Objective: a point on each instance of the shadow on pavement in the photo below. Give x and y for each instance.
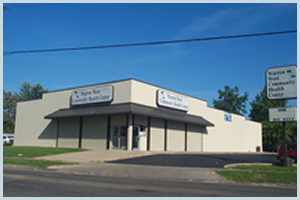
(198, 160)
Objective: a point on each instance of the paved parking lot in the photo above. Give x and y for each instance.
(208, 160)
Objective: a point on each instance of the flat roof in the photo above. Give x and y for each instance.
(130, 108)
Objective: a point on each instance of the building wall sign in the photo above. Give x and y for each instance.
(92, 95)
(283, 114)
(281, 82)
(171, 100)
(227, 117)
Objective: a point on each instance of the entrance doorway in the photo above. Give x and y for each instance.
(135, 142)
(138, 132)
(119, 139)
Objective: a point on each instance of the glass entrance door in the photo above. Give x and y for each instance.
(139, 133)
(119, 139)
(136, 138)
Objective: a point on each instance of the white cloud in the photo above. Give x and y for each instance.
(213, 22)
(236, 19)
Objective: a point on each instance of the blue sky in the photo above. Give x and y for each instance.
(198, 69)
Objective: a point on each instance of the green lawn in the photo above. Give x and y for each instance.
(260, 174)
(32, 152)
(16, 155)
(33, 163)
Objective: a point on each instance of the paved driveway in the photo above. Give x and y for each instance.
(199, 160)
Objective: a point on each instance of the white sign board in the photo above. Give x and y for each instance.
(283, 114)
(92, 95)
(281, 82)
(171, 100)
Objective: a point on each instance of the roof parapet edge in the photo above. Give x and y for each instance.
(123, 80)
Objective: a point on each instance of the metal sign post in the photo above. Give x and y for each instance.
(285, 161)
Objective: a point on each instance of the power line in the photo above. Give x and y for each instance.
(149, 43)
(33, 5)
(30, 5)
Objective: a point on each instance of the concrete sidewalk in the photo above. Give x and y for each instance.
(138, 171)
(95, 156)
(93, 163)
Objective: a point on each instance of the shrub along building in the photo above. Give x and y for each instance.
(132, 115)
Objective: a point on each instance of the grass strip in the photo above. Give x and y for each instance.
(33, 163)
(260, 174)
(265, 168)
(259, 177)
(31, 152)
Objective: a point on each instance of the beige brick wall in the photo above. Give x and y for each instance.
(157, 135)
(175, 136)
(94, 132)
(240, 135)
(194, 138)
(69, 133)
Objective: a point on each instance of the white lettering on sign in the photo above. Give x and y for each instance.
(288, 114)
(171, 100)
(92, 95)
(281, 82)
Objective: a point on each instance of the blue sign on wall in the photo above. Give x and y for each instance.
(227, 117)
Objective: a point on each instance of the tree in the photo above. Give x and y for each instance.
(9, 111)
(260, 106)
(230, 101)
(27, 92)
(31, 92)
(272, 132)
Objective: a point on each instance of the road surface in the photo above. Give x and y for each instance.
(45, 183)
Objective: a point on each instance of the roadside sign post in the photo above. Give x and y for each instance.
(282, 85)
(285, 161)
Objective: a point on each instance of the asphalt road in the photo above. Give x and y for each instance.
(43, 183)
(199, 160)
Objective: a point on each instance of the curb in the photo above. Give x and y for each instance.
(236, 164)
(266, 164)
(18, 166)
